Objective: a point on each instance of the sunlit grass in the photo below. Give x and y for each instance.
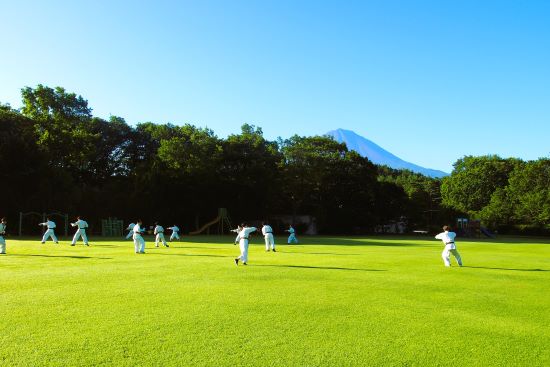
(338, 301)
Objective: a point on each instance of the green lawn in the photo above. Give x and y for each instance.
(327, 302)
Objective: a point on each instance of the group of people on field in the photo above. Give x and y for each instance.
(49, 233)
(136, 231)
(244, 231)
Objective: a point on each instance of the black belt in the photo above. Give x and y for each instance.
(268, 232)
(448, 243)
(160, 232)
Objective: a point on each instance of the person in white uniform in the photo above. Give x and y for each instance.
(130, 230)
(291, 235)
(159, 235)
(80, 231)
(448, 239)
(243, 243)
(267, 231)
(139, 242)
(49, 231)
(175, 232)
(3, 224)
(237, 231)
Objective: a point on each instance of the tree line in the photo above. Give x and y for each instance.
(506, 194)
(56, 156)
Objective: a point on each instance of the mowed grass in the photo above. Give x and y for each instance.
(377, 301)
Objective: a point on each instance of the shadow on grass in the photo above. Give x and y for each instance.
(195, 248)
(396, 242)
(317, 253)
(190, 255)
(511, 269)
(315, 267)
(65, 256)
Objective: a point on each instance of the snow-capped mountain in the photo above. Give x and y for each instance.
(377, 154)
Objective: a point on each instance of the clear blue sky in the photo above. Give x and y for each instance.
(430, 81)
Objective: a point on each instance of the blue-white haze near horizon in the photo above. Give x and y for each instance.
(429, 80)
(377, 154)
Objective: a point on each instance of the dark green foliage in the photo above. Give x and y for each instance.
(56, 156)
(500, 192)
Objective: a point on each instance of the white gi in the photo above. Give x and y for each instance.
(237, 231)
(80, 232)
(243, 243)
(139, 242)
(2, 240)
(49, 232)
(292, 236)
(175, 234)
(448, 239)
(267, 231)
(130, 230)
(159, 232)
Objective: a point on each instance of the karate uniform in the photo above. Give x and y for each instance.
(2, 239)
(80, 232)
(130, 230)
(292, 236)
(159, 232)
(448, 239)
(139, 242)
(175, 234)
(238, 230)
(243, 244)
(267, 231)
(49, 232)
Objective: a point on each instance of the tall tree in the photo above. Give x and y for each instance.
(62, 124)
(474, 180)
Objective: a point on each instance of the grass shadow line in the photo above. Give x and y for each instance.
(65, 256)
(316, 267)
(511, 269)
(191, 255)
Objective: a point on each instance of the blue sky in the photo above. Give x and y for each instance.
(430, 81)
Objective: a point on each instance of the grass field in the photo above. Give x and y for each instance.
(377, 301)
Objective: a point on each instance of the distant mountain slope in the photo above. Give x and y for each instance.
(378, 155)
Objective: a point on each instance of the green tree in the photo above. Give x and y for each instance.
(62, 122)
(529, 192)
(474, 180)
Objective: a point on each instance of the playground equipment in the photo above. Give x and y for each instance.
(112, 227)
(222, 220)
(471, 228)
(486, 232)
(42, 217)
(468, 228)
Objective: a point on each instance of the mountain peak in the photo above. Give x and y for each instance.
(377, 154)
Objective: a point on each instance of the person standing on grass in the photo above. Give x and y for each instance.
(139, 242)
(291, 235)
(243, 243)
(175, 233)
(159, 235)
(3, 224)
(80, 232)
(448, 239)
(267, 231)
(50, 225)
(130, 230)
